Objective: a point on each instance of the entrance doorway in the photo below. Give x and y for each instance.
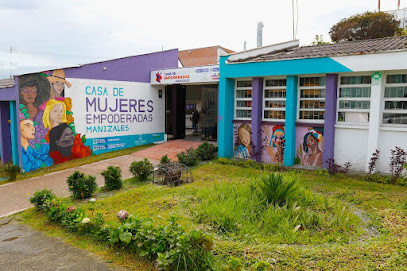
(201, 101)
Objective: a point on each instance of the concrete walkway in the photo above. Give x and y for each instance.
(22, 248)
(15, 197)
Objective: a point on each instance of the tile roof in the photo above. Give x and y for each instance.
(345, 48)
(7, 83)
(200, 56)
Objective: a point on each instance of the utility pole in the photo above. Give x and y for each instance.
(379, 5)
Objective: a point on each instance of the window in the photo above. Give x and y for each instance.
(395, 99)
(243, 99)
(274, 99)
(354, 99)
(312, 98)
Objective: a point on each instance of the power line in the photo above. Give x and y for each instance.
(50, 54)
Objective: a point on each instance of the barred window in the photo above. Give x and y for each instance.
(312, 98)
(354, 99)
(274, 99)
(395, 99)
(243, 99)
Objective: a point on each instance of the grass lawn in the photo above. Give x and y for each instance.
(336, 223)
(73, 163)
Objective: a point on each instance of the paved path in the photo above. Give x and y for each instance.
(21, 248)
(14, 197)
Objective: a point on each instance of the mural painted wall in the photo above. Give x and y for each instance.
(273, 141)
(243, 144)
(62, 119)
(309, 148)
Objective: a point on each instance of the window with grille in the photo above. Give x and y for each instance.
(274, 99)
(395, 99)
(243, 99)
(311, 98)
(354, 99)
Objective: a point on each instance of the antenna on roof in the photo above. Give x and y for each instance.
(244, 45)
(260, 26)
(398, 5)
(11, 51)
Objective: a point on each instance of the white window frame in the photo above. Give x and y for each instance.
(310, 99)
(384, 99)
(243, 99)
(339, 99)
(274, 99)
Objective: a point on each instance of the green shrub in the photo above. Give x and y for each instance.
(276, 190)
(40, 197)
(141, 170)
(113, 178)
(261, 266)
(189, 158)
(81, 186)
(165, 160)
(11, 171)
(206, 151)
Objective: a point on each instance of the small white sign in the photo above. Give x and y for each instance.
(202, 74)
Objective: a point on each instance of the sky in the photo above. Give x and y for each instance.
(47, 34)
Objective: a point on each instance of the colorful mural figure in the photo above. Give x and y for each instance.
(54, 114)
(34, 91)
(44, 107)
(244, 144)
(310, 153)
(33, 158)
(276, 148)
(65, 145)
(58, 82)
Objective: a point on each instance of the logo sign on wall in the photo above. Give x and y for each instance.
(203, 74)
(115, 114)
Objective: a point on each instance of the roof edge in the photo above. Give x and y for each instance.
(263, 50)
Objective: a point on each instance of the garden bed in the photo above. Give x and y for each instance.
(329, 223)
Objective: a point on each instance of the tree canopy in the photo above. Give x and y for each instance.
(369, 25)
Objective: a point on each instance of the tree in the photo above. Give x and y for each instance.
(369, 25)
(319, 40)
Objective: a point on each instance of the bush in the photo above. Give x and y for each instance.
(81, 186)
(12, 171)
(113, 178)
(206, 151)
(276, 190)
(189, 158)
(40, 197)
(141, 170)
(165, 160)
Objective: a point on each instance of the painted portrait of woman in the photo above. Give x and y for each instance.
(311, 147)
(65, 146)
(276, 148)
(58, 83)
(32, 158)
(54, 114)
(34, 90)
(244, 142)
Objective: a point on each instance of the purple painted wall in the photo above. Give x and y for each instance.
(134, 68)
(330, 116)
(257, 112)
(5, 141)
(9, 94)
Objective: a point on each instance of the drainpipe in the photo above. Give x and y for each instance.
(260, 26)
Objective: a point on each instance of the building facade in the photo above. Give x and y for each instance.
(306, 105)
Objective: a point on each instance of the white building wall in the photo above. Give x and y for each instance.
(388, 140)
(351, 146)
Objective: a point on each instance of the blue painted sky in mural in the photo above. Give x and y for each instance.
(47, 34)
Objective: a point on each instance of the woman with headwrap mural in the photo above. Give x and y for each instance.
(276, 148)
(33, 158)
(34, 90)
(311, 146)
